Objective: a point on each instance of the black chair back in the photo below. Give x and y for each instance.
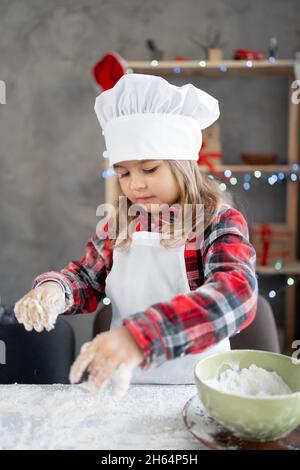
(32, 357)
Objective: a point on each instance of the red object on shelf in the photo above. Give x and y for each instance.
(246, 54)
(208, 158)
(272, 243)
(108, 70)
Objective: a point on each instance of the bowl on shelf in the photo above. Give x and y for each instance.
(259, 158)
(255, 418)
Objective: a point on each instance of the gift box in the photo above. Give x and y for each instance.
(271, 242)
(210, 155)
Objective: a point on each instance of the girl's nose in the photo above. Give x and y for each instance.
(137, 182)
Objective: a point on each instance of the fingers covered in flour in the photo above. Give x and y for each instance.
(113, 354)
(122, 378)
(86, 355)
(40, 307)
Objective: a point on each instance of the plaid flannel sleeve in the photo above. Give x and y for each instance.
(222, 306)
(83, 281)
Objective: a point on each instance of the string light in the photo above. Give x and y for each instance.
(272, 294)
(278, 265)
(106, 301)
(273, 179)
(203, 63)
(108, 172)
(291, 281)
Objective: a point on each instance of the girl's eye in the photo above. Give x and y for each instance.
(151, 170)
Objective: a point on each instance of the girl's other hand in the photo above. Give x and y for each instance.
(40, 307)
(112, 353)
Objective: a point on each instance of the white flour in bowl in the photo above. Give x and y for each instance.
(253, 381)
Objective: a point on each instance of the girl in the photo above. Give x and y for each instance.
(177, 293)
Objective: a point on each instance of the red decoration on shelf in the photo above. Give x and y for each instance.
(109, 70)
(181, 58)
(210, 159)
(266, 237)
(271, 242)
(245, 54)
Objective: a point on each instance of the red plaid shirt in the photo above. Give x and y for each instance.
(222, 301)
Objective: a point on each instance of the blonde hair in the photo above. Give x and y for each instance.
(195, 188)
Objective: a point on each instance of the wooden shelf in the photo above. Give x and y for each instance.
(212, 68)
(290, 268)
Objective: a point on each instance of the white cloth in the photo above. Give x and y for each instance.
(145, 117)
(145, 274)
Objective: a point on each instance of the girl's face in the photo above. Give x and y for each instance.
(148, 182)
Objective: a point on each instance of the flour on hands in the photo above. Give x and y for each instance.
(40, 307)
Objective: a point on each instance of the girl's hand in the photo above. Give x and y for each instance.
(40, 307)
(114, 352)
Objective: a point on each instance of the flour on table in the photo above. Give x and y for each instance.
(69, 417)
(120, 381)
(254, 381)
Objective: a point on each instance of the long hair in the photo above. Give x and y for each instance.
(196, 189)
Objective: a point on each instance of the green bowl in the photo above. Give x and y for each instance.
(253, 418)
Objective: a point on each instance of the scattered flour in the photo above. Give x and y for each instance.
(69, 417)
(253, 381)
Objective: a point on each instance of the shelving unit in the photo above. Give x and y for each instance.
(231, 68)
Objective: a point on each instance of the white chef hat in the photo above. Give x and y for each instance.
(145, 117)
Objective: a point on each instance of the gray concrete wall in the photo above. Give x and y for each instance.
(50, 142)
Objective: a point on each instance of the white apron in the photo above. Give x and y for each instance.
(145, 274)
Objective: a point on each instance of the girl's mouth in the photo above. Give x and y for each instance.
(143, 199)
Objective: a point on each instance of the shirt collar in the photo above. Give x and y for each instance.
(153, 223)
